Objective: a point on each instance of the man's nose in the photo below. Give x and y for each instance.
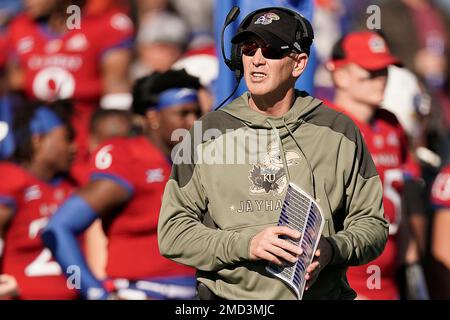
(258, 58)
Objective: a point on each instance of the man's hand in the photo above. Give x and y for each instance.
(8, 286)
(322, 258)
(266, 245)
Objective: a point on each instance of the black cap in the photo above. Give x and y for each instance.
(277, 28)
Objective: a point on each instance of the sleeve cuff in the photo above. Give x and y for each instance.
(242, 245)
(119, 180)
(336, 259)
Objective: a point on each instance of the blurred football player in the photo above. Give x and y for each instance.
(57, 52)
(126, 185)
(31, 189)
(359, 69)
(105, 124)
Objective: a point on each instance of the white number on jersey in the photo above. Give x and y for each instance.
(53, 83)
(391, 176)
(42, 265)
(103, 159)
(441, 187)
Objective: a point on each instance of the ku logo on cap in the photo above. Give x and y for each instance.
(267, 18)
(377, 45)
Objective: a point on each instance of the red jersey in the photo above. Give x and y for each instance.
(143, 170)
(68, 65)
(388, 146)
(440, 192)
(3, 49)
(25, 256)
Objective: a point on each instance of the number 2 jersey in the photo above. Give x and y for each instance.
(139, 167)
(33, 201)
(388, 146)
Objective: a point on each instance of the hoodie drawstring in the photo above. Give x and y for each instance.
(311, 172)
(283, 156)
(282, 153)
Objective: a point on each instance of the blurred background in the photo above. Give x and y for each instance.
(121, 41)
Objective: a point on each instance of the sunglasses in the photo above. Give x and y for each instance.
(250, 48)
(373, 74)
(378, 73)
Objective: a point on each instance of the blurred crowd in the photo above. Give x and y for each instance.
(110, 78)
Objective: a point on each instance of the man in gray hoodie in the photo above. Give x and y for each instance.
(220, 210)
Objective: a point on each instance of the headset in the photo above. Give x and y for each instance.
(304, 36)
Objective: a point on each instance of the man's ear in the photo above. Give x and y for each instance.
(300, 62)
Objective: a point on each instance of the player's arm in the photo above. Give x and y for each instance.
(441, 236)
(413, 196)
(96, 249)
(99, 198)
(115, 80)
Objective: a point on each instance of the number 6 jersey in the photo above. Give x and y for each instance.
(33, 201)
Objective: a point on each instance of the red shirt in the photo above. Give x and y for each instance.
(388, 146)
(142, 169)
(68, 65)
(3, 46)
(25, 257)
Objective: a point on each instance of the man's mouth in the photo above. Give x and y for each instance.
(257, 76)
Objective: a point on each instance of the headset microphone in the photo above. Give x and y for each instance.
(304, 36)
(231, 16)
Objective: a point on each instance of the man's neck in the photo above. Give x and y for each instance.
(55, 22)
(40, 170)
(274, 106)
(360, 111)
(159, 144)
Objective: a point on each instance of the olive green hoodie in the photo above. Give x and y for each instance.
(213, 206)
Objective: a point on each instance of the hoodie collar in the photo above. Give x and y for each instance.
(303, 105)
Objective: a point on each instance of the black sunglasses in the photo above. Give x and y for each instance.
(250, 48)
(383, 72)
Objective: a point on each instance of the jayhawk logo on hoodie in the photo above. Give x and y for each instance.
(269, 175)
